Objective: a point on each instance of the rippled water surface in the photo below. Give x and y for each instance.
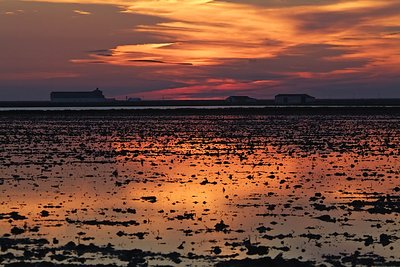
(200, 190)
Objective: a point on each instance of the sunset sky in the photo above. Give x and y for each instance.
(188, 49)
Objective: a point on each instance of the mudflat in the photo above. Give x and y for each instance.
(186, 187)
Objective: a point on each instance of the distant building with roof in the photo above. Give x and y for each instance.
(294, 99)
(81, 97)
(240, 100)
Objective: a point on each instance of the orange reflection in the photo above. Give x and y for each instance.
(247, 170)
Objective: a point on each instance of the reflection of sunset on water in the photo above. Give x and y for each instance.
(167, 184)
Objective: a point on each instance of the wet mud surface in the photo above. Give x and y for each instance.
(200, 190)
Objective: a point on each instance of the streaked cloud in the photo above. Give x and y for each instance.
(81, 12)
(216, 48)
(13, 12)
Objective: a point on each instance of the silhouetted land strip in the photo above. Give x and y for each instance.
(194, 103)
(152, 103)
(293, 111)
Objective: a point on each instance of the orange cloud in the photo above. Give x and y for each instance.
(201, 34)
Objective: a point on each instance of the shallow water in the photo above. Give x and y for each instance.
(211, 188)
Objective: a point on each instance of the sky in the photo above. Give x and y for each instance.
(200, 49)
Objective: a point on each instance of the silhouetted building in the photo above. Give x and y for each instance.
(240, 100)
(82, 97)
(293, 99)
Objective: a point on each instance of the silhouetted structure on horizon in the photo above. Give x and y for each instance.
(134, 99)
(240, 100)
(81, 97)
(294, 99)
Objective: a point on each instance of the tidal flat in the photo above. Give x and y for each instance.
(200, 190)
